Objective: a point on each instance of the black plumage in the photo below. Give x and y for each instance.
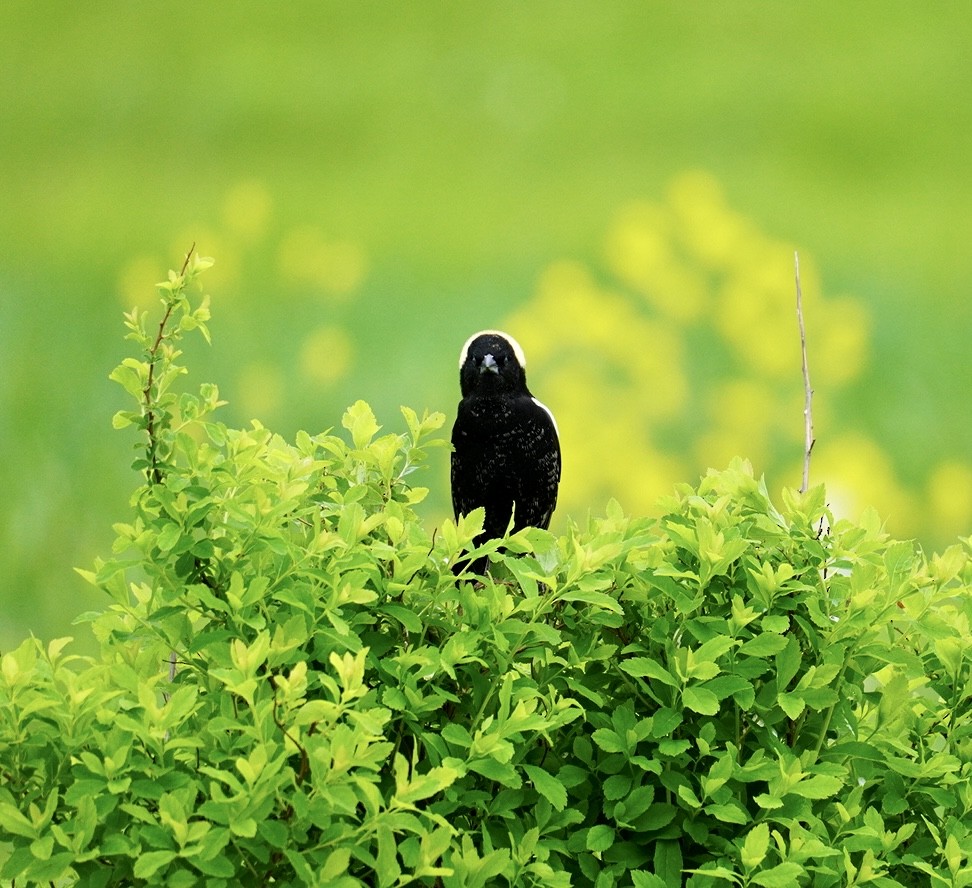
(506, 451)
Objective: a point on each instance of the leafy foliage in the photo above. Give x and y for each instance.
(293, 688)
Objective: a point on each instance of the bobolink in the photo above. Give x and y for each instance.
(506, 452)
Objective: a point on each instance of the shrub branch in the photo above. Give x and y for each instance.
(153, 472)
(808, 439)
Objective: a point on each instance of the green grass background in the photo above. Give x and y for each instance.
(392, 177)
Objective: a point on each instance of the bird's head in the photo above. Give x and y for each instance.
(491, 362)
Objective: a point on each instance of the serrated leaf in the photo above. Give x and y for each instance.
(765, 644)
(408, 618)
(501, 772)
(608, 740)
(700, 700)
(714, 648)
(360, 421)
(730, 813)
(457, 734)
(616, 787)
(150, 862)
(641, 879)
(548, 786)
(791, 704)
(820, 786)
(755, 846)
(168, 537)
(425, 785)
(784, 875)
(686, 794)
(600, 838)
(13, 821)
(673, 747)
(668, 862)
(593, 598)
(645, 667)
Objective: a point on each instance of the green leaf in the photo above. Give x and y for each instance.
(668, 862)
(791, 704)
(361, 422)
(14, 822)
(820, 786)
(689, 797)
(457, 734)
(665, 721)
(785, 875)
(714, 648)
(600, 838)
(150, 862)
(388, 869)
(408, 618)
(700, 700)
(168, 537)
(131, 376)
(596, 599)
(616, 786)
(641, 879)
(608, 740)
(788, 662)
(335, 865)
(764, 645)
(755, 846)
(645, 667)
(548, 786)
(729, 813)
(425, 785)
(501, 772)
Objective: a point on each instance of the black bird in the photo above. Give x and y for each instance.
(506, 452)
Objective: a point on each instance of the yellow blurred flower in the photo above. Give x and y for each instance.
(950, 497)
(325, 355)
(246, 209)
(684, 352)
(137, 280)
(260, 389)
(859, 474)
(307, 257)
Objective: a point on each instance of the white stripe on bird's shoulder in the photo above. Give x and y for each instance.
(550, 414)
(517, 349)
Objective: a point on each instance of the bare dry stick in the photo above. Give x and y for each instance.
(808, 440)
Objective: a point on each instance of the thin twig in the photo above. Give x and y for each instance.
(808, 440)
(153, 472)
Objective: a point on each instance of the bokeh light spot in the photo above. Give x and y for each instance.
(136, 283)
(246, 209)
(306, 257)
(684, 352)
(950, 496)
(325, 355)
(261, 388)
(860, 474)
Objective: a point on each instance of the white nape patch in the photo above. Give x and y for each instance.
(517, 350)
(550, 414)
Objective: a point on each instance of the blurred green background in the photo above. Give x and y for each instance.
(620, 185)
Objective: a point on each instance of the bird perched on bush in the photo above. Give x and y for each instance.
(506, 452)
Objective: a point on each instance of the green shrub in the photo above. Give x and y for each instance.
(294, 689)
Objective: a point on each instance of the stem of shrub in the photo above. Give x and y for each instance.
(808, 440)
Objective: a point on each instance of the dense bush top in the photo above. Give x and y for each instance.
(294, 689)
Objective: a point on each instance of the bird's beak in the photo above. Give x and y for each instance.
(489, 363)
